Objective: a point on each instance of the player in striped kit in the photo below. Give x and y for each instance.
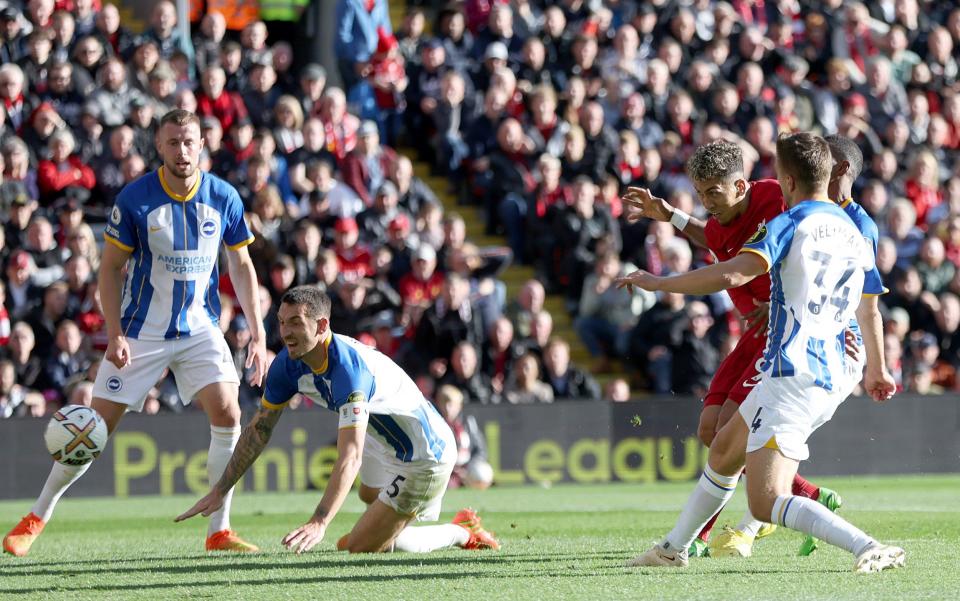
(389, 433)
(166, 228)
(820, 263)
(738, 208)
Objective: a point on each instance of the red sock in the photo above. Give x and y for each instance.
(804, 488)
(705, 533)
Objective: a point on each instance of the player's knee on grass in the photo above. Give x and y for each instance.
(376, 529)
(356, 546)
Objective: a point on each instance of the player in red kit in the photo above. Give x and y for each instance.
(738, 209)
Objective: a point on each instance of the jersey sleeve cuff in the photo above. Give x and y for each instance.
(275, 406)
(240, 245)
(761, 254)
(117, 243)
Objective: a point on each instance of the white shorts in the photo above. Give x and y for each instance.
(782, 413)
(415, 488)
(196, 361)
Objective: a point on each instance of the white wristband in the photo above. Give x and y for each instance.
(679, 219)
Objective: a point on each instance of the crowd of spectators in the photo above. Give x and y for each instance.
(542, 113)
(538, 113)
(331, 205)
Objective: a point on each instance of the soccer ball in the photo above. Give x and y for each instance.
(76, 435)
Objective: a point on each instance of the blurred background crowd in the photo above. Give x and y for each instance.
(536, 115)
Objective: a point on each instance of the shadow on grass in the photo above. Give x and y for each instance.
(320, 578)
(323, 577)
(328, 559)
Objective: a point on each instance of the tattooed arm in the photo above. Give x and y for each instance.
(252, 442)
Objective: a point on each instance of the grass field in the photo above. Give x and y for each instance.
(567, 542)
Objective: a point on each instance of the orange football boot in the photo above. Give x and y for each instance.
(479, 538)
(19, 540)
(228, 540)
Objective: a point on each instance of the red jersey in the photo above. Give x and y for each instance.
(418, 292)
(562, 195)
(387, 71)
(228, 109)
(4, 326)
(764, 203)
(342, 137)
(355, 263)
(923, 199)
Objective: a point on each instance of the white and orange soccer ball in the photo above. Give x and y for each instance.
(76, 435)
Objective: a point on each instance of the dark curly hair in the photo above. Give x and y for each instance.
(716, 160)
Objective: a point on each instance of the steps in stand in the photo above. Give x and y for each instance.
(515, 275)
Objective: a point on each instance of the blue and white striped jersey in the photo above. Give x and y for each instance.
(171, 288)
(364, 385)
(820, 265)
(867, 227)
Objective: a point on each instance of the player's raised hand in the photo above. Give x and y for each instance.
(640, 279)
(257, 359)
(757, 319)
(118, 351)
(641, 204)
(305, 537)
(879, 384)
(205, 506)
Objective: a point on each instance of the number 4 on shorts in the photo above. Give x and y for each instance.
(755, 424)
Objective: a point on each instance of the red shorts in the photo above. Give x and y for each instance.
(738, 373)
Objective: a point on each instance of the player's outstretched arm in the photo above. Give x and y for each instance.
(877, 381)
(641, 204)
(244, 278)
(252, 442)
(349, 455)
(706, 280)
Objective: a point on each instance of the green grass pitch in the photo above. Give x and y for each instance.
(565, 542)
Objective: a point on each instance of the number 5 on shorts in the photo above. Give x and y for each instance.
(394, 489)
